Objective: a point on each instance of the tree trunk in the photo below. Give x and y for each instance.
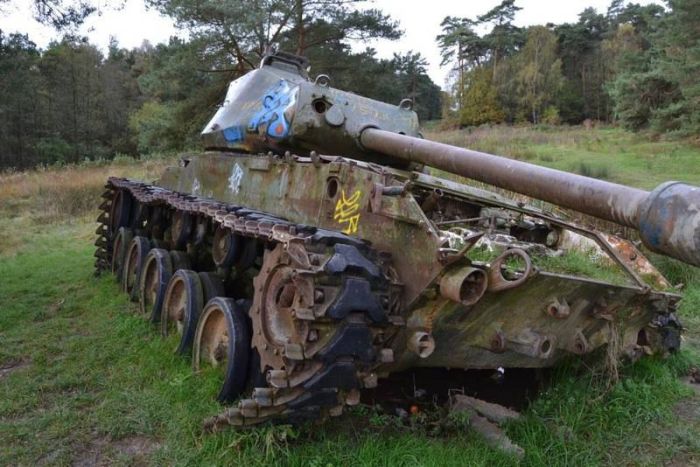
(299, 7)
(495, 62)
(413, 90)
(460, 64)
(74, 89)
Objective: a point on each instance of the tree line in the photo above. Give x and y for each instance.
(635, 65)
(71, 102)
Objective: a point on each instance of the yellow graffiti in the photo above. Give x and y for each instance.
(347, 211)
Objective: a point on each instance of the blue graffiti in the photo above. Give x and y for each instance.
(233, 134)
(277, 100)
(652, 231)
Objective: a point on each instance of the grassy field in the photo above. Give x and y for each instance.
(84, 381)
(606, 153)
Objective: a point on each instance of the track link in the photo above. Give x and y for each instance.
(324, 312)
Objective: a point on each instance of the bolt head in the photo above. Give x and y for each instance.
(319, 296)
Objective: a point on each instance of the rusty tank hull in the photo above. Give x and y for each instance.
(310, 253)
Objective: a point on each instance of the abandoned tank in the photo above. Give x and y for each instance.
(320, 244)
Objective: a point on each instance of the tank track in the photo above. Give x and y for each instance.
(344, 313)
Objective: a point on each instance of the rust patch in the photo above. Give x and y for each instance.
(635, 260)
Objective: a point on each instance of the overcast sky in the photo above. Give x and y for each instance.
(419, 19)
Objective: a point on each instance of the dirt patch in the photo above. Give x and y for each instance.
(692, 383)
(11, 366)
(55, 307)
(103, 451)
(688, 410)
(687, 419)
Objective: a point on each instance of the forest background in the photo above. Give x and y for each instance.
(633, 66)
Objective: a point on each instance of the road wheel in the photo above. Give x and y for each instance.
(222, 341)
(156, 273)
(121, 242)
(133, 265)
(212, 285)
(180, 260)
(183, 303)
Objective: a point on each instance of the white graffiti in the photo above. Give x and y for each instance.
(196, 186)
(234, 181)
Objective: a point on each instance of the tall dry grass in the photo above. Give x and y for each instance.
(512, 141)
(65, 193)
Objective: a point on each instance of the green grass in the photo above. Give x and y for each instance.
(573, 262)
(95, 382)
(608, 153)
(95, 373)
(579, 263)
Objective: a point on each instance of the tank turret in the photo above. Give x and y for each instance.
(276, 108)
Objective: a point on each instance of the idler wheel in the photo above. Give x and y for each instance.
(120, 210)
(133, 265)
(182, 305)
(156, 273)
(222, 341)
(119, 247)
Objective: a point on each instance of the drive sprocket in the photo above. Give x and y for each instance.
(321, 321)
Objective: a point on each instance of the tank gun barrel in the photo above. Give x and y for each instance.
(667, 218)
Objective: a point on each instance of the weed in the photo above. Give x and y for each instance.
(579, 263)
(69, 192)
(572, 262)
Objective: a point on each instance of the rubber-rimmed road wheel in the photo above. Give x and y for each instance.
(119, 247)
(183, 303)
(156, 273)
(133, 265)
(222, 341)
(180, 259)
(256, 375)
(212, 285)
